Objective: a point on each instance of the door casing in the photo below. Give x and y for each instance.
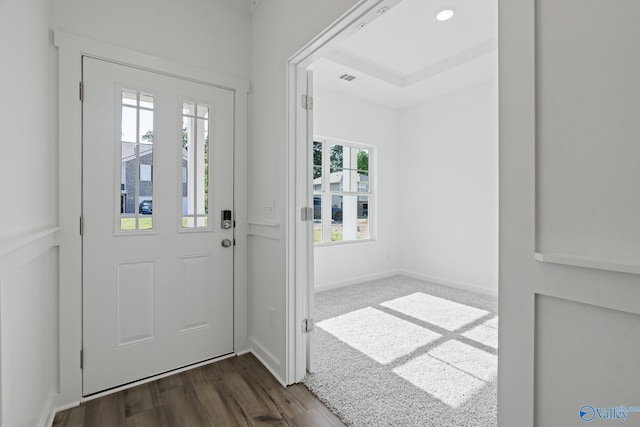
(299, 243)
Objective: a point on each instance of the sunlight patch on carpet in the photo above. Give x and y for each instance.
(441, 380)
(379, 335)
(484, 334)
(467, 358)
(446, 314)
(452, 372)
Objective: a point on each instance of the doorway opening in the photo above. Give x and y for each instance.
(431, 119)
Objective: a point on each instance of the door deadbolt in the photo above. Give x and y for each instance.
(227, 222)
(226, 243)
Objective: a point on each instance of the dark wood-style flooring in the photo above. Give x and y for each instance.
(234, 392)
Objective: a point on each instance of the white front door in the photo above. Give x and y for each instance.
(157, 256)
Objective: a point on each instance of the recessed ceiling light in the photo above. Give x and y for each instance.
(383, 10)
(445, 13)
(361, 25)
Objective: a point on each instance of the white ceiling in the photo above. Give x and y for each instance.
(406, 56)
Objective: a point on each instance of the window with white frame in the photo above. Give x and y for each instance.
(342, 191)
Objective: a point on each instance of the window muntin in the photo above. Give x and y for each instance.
(136, 166)
(195, 166)
(342, 191)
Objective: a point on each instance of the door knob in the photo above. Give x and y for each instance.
(226, 243)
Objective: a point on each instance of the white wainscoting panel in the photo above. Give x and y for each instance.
(136, 308)
(197, 294)
(29, 335)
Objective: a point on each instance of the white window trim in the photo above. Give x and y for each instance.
(326, 193)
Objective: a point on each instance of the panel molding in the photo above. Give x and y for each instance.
(571, 258)
(621, 266)
(127, 291)
(267, 231)
(189, 268)
(264, 223)
(20, 250)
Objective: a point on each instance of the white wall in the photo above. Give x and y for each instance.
(343, 117)
(279, 29)
(202, 33)
(438, 189)
(28, 187)
(568, 99)
(449, 205)
(28, 166)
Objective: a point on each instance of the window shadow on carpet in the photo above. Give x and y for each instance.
(401, 351)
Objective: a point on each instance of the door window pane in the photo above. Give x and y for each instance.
(337, 229)
(317, 219)
(317, 166)
(363, 218)
(136, 166)
(195, 165)
(129, 124)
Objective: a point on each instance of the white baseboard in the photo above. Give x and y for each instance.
(48, 412)
(343, 283)
(451, 283)
(267, 359)
(243, 352)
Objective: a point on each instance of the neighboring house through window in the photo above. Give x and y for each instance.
(342, 191)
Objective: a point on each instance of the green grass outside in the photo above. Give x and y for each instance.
(146, 223)
(336, 236)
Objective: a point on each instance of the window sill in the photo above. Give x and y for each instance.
(343, 243)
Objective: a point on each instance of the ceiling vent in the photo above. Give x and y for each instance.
(348, 77)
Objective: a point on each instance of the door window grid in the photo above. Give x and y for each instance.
(195, 165)
(136, 149)
(342, 191)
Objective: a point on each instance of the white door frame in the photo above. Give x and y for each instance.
(71, 49)
(299, 240)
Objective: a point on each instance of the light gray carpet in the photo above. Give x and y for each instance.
(404, 352)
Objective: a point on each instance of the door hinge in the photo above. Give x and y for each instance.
(81, 358)
(306, 214)
(81, 225)
(81, 91)
(307, 326)
(307, 102)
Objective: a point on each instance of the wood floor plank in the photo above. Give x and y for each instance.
(219, 406)
(235, 392)
(180, 407)
(315, 417)
(304, 396)
(73, 417)
(152, 418)
(140, 399)
(170, 382)
(285, 402)
(255, 403)
(107, 411)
